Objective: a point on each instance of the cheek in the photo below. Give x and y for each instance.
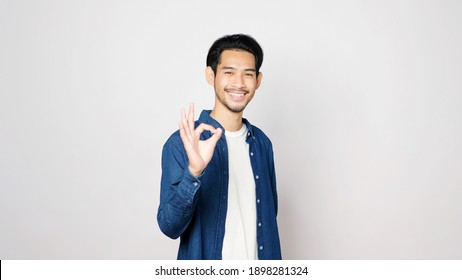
(221, 83)
(251, 84)
(219, 86)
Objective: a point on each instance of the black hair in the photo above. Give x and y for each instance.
(234, 42)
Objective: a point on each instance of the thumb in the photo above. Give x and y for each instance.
(216, 136)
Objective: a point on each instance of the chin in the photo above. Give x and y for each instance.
(236, 109)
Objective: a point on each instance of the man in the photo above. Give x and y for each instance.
(218, 186)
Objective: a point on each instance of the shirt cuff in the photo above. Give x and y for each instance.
(191, 183)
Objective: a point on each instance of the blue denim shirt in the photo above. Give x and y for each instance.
(194, 208)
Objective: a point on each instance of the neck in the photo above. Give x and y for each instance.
(231, 121)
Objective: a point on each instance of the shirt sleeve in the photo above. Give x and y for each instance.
(273, 178)
(179, 190)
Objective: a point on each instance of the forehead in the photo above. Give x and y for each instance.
(237, 58)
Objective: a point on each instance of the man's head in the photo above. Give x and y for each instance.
(234, 42)
(233, 69)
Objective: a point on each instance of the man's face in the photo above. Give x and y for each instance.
(235, 81)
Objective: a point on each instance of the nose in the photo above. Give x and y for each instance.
(238, 81)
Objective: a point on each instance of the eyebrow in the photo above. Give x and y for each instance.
(232, 68)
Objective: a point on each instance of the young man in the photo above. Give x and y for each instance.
(218, 186)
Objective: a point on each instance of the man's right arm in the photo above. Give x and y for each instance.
(183, 155)
(179, 189)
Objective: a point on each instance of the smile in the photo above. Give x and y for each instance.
(236, 94)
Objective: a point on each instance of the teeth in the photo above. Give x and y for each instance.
(236, 94)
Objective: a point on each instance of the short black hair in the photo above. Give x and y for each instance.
(234, 42)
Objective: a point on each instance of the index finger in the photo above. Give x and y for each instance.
(204, 126)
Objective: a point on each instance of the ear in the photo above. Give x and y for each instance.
(259, 77)
(209, 75)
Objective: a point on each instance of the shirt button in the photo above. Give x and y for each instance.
(251, 154)
(257, 177)
(195, 184)
(258, 200)
(248, 133)
(261, 247)
(259, 224)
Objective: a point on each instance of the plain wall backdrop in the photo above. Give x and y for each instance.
(362, 100)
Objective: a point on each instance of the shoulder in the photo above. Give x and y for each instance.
(173, 150)
(174, 142)
(174, 137)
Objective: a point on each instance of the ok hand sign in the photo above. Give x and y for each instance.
(199, 152)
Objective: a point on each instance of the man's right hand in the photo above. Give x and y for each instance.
(199, 152)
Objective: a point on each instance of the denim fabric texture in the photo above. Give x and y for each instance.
(194, 208)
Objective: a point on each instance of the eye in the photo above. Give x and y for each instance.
(228, 73)
(249, 74)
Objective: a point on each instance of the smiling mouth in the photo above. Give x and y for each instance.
(236, 92)
(237, 95)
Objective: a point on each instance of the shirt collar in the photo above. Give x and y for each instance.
(206, 118)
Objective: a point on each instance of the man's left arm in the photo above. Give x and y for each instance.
(273, 177)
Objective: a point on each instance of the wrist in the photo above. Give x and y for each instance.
(194, 172)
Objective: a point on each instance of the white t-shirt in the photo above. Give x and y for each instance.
(240, 241)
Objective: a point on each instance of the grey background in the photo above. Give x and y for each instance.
(362, 100)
